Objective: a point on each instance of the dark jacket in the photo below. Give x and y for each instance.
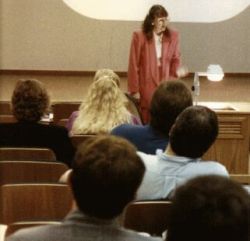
(26, 134)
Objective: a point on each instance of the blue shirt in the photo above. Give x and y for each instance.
(164, 173)
(143, 137)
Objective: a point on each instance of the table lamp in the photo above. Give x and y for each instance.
(214, 73)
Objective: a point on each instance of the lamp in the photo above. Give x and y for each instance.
(214, 73)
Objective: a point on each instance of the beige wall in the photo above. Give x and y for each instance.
(73, 87)
(48, 35)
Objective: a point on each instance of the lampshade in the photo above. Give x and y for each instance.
(215, 72)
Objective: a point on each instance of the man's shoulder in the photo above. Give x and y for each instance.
(217, 167)
(147, 157)
(134, 236)
(64, 232)
(42, 233)
(210, 167)
(127, 129)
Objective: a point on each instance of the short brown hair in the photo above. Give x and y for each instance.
(194, 131)
(169, 100)
(106, 175)
(209, 208)
(30, 100)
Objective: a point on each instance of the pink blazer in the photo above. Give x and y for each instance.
(143, 72)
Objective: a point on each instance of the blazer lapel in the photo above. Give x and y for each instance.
(165, 53)
(153, 63)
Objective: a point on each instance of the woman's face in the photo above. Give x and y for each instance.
(160, 24)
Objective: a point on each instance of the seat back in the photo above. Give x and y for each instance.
(27, 154)
(62, 122)
(7, 119)
(133, 106)
(30, 171)
(62, 110)
(34, 202)
(5, 108)
(241, 178)
(147, 216)
(78, 139)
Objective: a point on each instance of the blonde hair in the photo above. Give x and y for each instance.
(102, 109)
(107, 72)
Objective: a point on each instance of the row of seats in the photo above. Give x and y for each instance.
(26, 184)
(29, 203)
(32, 183)
(61, 110)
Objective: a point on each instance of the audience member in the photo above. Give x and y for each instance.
(105, 176)
(193, 132)
(99, 73)
(30, 101)
(210, 208)
(102, 109)
(109, 73)
(169, 99)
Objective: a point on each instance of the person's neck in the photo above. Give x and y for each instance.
(169, 151)
(158, 33)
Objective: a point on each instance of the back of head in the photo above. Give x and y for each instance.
(169, 100)
(106, 175)
(30, 100)
(103, 108)
(210, 208)
(107, 72)
(194, 131)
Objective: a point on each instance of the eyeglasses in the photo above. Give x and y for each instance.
(163, 19)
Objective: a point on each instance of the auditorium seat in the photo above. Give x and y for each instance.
(62, 110)
(62, 122)
(241, 178)
(27, 154)
(5, 108)
(34, 202)
(78, 139)
(30, 171)
(7, 118)
(147, 216)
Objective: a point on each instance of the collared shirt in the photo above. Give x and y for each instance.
(158, 47)
(164, 173)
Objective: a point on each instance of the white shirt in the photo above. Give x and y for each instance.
(158, 47)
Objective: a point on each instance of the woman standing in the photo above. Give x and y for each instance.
(154, 57)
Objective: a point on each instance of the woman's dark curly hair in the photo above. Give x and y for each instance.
(156, 11)
(30, 100)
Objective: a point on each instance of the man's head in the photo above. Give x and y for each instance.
(106, 175)
(210, 208)
(30, 100)
(169, 100)
(194, 131)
